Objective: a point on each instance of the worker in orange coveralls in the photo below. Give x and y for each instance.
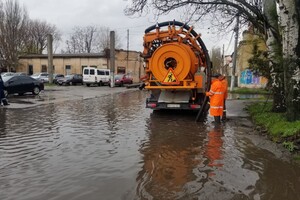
(225, 88)
(216, 95)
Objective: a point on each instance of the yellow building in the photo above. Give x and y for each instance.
(126, 62)
(245, 76)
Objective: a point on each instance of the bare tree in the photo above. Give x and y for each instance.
(104, 39)
(36, 36)
(13, 20)
(82, 40)
(216, 59)
(222, 13)
(89, 39)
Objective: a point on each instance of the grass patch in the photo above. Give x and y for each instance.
(50, 84)
(250, 91)
(277, 126)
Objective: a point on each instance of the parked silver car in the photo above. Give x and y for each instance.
(44, 77)
(7, 75)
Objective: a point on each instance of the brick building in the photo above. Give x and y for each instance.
(126, 62)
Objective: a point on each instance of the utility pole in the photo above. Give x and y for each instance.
(112, 58)
(236, 29)
(223, 63)
(127, 49)
(50, 57)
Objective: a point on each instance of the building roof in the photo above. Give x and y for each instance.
(74, 55)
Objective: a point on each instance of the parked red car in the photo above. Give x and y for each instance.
(121, 79)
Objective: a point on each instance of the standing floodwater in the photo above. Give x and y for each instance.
(112, 148)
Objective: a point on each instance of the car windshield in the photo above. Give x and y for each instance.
(118, 77)
(4, 74)
(58, 75)
(20, 74)
(6, 78)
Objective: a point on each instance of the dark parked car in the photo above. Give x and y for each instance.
(22, 85)
(56, 77)
(121, 79)
(72, 79)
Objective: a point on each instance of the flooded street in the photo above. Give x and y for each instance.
(111, 147)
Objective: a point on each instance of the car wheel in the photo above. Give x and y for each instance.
(5, 93)
(100, 83)
(36, 90)
(88, 85)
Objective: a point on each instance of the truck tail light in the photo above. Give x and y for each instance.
(195, 106)
(151, 105)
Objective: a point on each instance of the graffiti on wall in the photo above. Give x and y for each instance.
(247, 77)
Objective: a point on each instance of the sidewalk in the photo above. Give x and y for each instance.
(236, 108)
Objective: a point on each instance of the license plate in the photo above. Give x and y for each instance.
(173, 105)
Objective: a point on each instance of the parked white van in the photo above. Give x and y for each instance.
(92, 76)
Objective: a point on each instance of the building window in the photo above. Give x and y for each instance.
(68, 69)
(121, 70)
(30, 69)
(94, 66)
(44, 68)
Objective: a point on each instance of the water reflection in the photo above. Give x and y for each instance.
(214, 146)
(187, 160)
(171, 155)
(2, 122)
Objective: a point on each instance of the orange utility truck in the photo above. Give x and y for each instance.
(177, 67)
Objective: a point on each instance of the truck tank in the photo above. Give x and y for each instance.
(177, 67)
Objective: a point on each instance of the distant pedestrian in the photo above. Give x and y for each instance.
(216, 95)
(225, 88)
(3, 100)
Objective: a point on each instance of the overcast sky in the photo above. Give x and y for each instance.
(66, 14)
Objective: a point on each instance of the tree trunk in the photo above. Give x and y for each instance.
(273, 43)
(289, 22)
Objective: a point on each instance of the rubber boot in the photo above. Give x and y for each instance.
(217, 119)
(224, 116)
(5, 102)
